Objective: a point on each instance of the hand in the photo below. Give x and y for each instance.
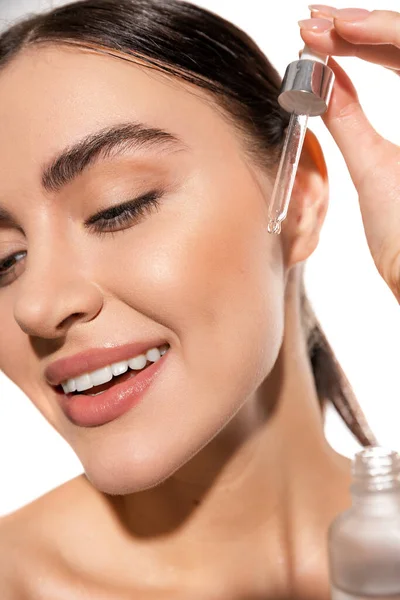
(373, 161)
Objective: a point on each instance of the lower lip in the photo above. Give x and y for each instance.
(90, 411)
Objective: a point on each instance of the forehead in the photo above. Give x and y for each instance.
(52, 96)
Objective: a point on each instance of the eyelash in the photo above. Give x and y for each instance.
(10, 270)
(115, 216)
(123, 214)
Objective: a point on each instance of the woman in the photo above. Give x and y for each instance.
(136, 168)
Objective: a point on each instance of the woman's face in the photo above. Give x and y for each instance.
(199, 272)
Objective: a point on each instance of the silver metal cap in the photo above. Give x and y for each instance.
(306, 87)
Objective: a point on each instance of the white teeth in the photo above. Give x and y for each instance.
(119, 368)
(71, 385)
(83, 383)
(138, 362)
(101, 376)
(66, 388)
(105, 374)
(153, 355)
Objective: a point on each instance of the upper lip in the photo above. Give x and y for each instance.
(95, 358)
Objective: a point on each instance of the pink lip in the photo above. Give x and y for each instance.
(89, 411)
(90, 360)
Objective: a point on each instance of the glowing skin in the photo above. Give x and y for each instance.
(202, 272)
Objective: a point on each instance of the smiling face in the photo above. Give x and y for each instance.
(199, 271)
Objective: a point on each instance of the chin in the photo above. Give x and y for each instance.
(133, 467)
(122, 484)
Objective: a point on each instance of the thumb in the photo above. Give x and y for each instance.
(353, 133)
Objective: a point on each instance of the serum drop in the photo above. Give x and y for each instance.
(364, 541)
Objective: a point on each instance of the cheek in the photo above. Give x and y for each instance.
(206, 268)
(15, 351)
(20, 363)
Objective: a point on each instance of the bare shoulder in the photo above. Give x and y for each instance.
(32, 542)
(62, 546)
(50, 513)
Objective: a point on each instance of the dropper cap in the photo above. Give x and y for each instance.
(307, 84)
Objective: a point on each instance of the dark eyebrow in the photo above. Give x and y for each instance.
(113, 140)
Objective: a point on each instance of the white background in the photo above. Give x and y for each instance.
(358, 312)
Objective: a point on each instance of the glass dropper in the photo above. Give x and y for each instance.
(305, 91)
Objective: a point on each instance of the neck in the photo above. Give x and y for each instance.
(254, 492)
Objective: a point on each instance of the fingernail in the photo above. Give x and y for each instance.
(323, 9)
(352, 14)
(316, 25)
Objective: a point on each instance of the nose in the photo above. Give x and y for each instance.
(54, 296)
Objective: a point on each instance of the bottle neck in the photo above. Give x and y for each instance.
(376, 480)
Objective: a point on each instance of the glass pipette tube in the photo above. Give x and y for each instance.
(287, 170)
(305, 92)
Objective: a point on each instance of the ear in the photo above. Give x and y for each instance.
(308, 204)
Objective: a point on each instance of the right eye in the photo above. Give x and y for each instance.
(9, 268)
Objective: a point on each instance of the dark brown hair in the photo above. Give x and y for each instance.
(202, 48)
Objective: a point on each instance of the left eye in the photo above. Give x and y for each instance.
(116, 217)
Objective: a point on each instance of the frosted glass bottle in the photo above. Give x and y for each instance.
(364, 541)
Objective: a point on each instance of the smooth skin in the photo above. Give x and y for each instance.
(222, 485)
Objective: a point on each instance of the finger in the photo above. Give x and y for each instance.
(353, 133)
(334, 44)
(373, 164)
(375, 27)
